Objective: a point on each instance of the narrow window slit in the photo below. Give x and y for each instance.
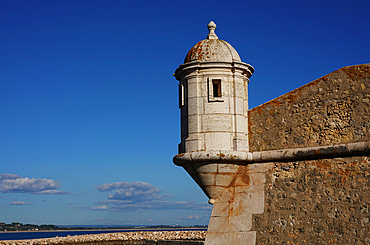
(216, 88)
(181, 95)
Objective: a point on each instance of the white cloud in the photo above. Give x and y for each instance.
(157, 205)
(193, 216)
(11, 183)
(130, 197)
(94, 208)
(9, 176)
(133, 192)
(103, 207)
(54, 192)
(20, 203)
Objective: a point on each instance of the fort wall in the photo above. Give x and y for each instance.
(331, 110)
(324, 201)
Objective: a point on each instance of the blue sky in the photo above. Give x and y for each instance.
(88, 104)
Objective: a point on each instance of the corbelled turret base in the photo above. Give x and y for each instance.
(213, 171)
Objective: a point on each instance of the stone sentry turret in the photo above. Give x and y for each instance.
(265, 188)
(213, 99)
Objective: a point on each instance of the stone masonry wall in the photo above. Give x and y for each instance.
(330, 110)
(325, 201)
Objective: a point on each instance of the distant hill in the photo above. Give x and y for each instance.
(16, 226)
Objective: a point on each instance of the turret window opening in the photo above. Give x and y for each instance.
(216, 88)
(181, 95)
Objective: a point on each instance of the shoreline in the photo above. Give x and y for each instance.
(116, 238)
(128, 230)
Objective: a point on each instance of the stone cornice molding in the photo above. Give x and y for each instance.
(187, 68)
(329, 151)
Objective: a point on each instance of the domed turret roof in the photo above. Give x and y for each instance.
(212, 49)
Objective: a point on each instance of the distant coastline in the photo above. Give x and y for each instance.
(16, 226)
(115, 229)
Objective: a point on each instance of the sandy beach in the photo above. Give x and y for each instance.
(115, 238)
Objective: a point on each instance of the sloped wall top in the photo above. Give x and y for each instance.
(331, 110)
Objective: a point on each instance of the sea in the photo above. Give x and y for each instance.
(25, 235)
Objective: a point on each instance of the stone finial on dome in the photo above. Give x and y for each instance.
(211, 27)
